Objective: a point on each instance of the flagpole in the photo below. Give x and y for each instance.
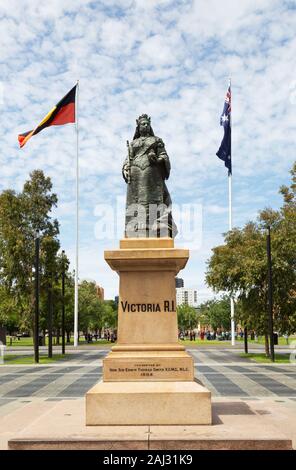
(77, 224)
(230, 224)
(230, 228)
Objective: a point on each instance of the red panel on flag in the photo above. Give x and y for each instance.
(64, 116)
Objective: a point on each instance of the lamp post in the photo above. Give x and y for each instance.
(246, 339)
(270, 298)
(50, 315)
(63, 302)
(37, 290)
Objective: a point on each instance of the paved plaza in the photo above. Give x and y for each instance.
(27, 392)
(223, 371)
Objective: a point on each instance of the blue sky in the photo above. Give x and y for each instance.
(172, 60)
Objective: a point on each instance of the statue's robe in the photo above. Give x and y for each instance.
(147, 188)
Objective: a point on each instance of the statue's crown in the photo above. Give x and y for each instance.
(143, 116)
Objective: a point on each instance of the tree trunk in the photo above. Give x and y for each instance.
(58, 336)
(50, 315)
(267, 353)
(246, 339)
(68, 337)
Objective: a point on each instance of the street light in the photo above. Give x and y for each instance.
(50, 314)
(270, 299)
(246, 339)
(63, 302)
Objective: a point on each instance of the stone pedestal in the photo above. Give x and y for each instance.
(148, 377)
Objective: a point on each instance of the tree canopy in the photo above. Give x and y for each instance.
(23, 215)
(216, 313)
(187, 317)
(239, 267)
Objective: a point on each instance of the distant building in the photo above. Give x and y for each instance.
(179, 282)
(116, 299)
(100, 292)
(186, 296)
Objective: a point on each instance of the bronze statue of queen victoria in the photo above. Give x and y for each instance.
(145, 169)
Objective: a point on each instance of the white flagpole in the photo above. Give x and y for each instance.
(230, 228)
(77, 224)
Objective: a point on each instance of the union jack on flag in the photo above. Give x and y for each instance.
(225, 117)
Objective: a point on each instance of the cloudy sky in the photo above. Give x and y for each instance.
(172, 60)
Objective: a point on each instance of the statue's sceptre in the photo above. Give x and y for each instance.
(129, 162)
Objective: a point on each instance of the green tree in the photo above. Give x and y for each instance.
(69, 304)
(21, 216)
(91, 310)
(216, 313)
(13, 251)
(187, 317)
(9, 315)
(239, 267)
(110, 316)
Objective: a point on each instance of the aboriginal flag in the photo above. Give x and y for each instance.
(61, 113)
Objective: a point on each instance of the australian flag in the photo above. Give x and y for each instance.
(224, 151)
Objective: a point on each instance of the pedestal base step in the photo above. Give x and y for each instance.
(156, 444)
(237, 425)
(140, 403)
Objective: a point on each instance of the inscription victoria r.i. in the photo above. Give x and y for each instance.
(168, 306)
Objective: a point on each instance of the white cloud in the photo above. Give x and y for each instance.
(172, 60)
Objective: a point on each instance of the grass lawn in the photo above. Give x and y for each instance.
(205, 342)
(198, 342)
(261, 358)
(97, 343)
(29, 342)
(15, 359)
(282, 341)
(20, 342)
